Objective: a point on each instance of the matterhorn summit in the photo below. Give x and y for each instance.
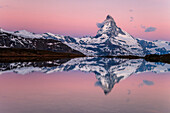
(109, 27)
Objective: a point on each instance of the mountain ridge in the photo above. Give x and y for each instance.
(9, 40)
(110, 40)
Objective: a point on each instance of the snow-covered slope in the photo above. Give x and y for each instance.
(23, 40)
(155, 47)
(23, 33)
(110, 40)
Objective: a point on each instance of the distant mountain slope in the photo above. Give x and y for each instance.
(110, 40)
(10, 40)
(155, 47)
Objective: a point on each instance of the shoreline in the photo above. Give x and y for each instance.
(8, 55)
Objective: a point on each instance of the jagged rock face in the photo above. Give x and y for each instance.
(8, 40)
(109, 27)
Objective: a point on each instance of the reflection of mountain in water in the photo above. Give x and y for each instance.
(108, 71)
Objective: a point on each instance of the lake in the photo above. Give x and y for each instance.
(85, 85)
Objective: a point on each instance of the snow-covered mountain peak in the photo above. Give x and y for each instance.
(109, 17)
(22, 33)
(27, 34)
(109, 27)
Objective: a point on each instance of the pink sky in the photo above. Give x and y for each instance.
(79, 18)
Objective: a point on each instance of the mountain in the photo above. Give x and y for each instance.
(26, 40)
(108, 71)
(159, 47)
(110, 40)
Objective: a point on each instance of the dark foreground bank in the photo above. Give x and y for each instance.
(16, 55)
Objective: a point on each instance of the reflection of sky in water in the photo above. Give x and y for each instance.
(66, 88)
(75, 92)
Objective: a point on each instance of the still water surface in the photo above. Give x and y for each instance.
(85, 85)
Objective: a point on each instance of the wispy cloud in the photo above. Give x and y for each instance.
(3, 6)
(148, 29)
(130, 10)
(100, 25)
(143, 27)
(131, 19)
